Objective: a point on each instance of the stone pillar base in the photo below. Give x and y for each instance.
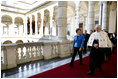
(11, 66)
(11, 56)
(49, 51)
(64, 48)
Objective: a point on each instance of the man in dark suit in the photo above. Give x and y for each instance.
(86, 37)
(113, 38)
(108, 50)
(91, 31)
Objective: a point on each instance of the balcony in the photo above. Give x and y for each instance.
(14, 54)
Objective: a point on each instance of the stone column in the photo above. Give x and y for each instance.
(7, 29)
(18, 29)
(42, 18)
(36, 24)
(2, 29)
(64, 44)
(62, 20)
(13, 20)
(51, 21)
(30, 25)
(77, 13)
(108, 13)
(25, 27)
(91, 22)
(100, 13)
(85, 24)
(104, 17)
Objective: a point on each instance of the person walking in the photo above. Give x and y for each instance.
(86, 37)
(78, 43)
(98, 42)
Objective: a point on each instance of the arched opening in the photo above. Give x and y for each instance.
(28, 25)
(6, 21)
(33, 24)
(19, 41)
(19, 29)
(18, 21)
(7, 42)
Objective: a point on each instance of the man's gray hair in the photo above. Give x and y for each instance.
(97, 26)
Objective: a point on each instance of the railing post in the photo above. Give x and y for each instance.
(32, 56)
(11, 56)
(36, 51)
(17, 56)
(47, 52)
(40, 52)
(27, 53)
(64, 49)
(4, 59)
(22, 53)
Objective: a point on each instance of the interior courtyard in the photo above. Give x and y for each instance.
(37, 36)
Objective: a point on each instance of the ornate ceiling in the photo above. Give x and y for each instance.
(20, 6)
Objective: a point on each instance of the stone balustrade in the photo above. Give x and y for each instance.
(14, 54)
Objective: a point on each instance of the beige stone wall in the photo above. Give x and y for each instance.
(112, 17)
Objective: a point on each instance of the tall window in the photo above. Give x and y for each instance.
(96, 22)
(80, 25)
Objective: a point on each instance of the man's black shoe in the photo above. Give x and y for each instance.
(100, 70)
(70, 65)
(80, 63)
(90, 73)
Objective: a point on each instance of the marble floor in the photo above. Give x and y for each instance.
(35, 67)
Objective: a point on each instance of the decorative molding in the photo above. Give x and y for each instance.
(12, 11)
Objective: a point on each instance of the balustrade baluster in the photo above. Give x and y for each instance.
(39, 51)
(52, 53)
(17, 56)
(30, 49)
(32, 52)
(27, 52)
(55, 49)
(22, 53)
(36, 52)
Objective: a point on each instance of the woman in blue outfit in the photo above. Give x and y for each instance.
(78, 43)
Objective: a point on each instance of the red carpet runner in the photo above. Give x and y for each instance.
(65, 71)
